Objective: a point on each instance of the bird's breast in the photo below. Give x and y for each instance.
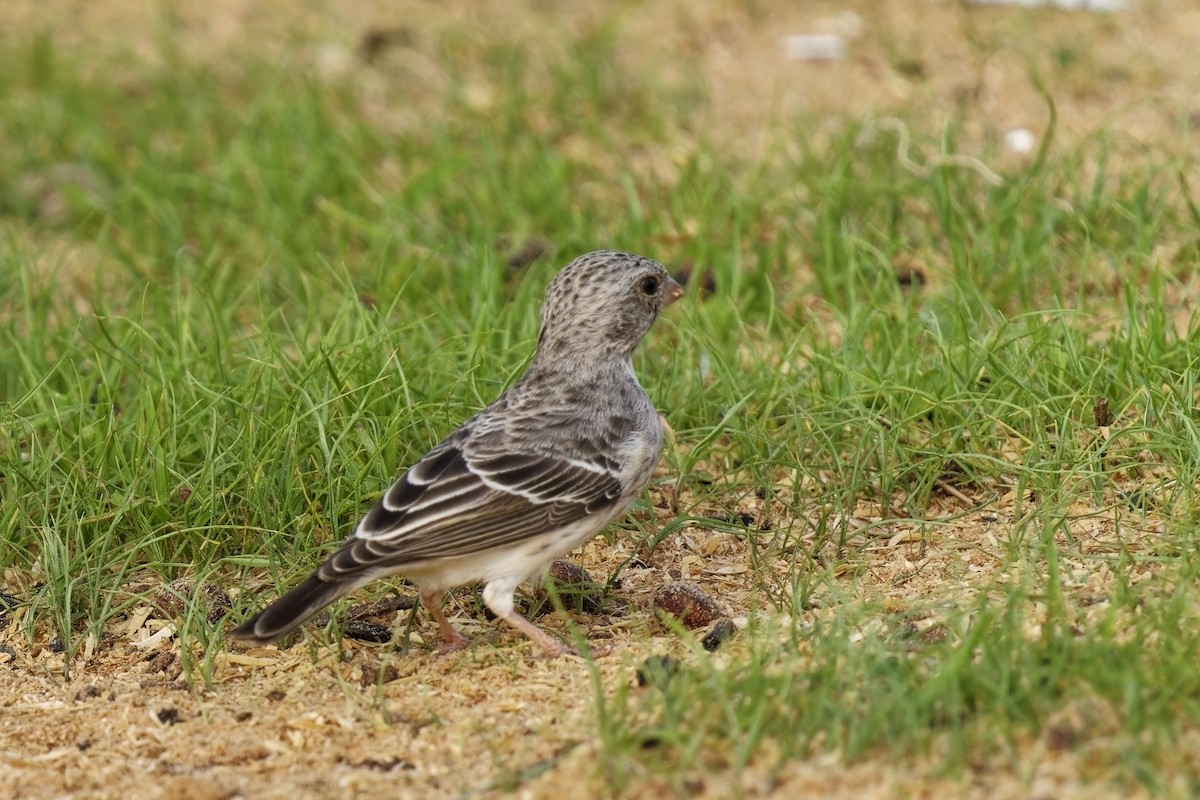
(640, 451)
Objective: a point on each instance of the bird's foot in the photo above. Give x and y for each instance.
(452, 645)
(552, 646)
(554, 649)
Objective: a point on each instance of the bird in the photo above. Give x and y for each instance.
(562, 452)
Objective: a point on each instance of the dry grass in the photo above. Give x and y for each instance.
(364, 720)
(1131, 73)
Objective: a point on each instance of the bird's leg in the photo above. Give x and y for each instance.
(453, 639)
(552, 647)
(498, 595)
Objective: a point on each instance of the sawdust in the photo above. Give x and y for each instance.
(364, 720)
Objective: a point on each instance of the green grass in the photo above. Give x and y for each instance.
(232, 304)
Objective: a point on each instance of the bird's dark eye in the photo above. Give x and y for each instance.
(649, 284)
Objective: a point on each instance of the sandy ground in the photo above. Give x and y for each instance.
(368, 721)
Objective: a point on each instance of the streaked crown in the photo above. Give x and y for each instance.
(603, 303)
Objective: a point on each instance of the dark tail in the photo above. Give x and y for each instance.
(290, 611)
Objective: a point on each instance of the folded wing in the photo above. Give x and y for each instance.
(451, 504)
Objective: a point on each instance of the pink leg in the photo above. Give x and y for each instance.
(453, 639)
(553, 647)
(498, 595)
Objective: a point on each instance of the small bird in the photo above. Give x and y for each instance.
(560, 454)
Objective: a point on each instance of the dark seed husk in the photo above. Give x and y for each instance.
(687, 603)
(365, 631)
(657, 670)
(718, 633)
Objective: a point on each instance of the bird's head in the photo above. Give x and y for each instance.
(602, 304)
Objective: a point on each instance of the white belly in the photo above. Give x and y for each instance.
(508, 563)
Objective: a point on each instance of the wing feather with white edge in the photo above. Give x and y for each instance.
(449, 504)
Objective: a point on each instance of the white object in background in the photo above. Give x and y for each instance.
(1105, 6)
(814, 47)
(1020, 140)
